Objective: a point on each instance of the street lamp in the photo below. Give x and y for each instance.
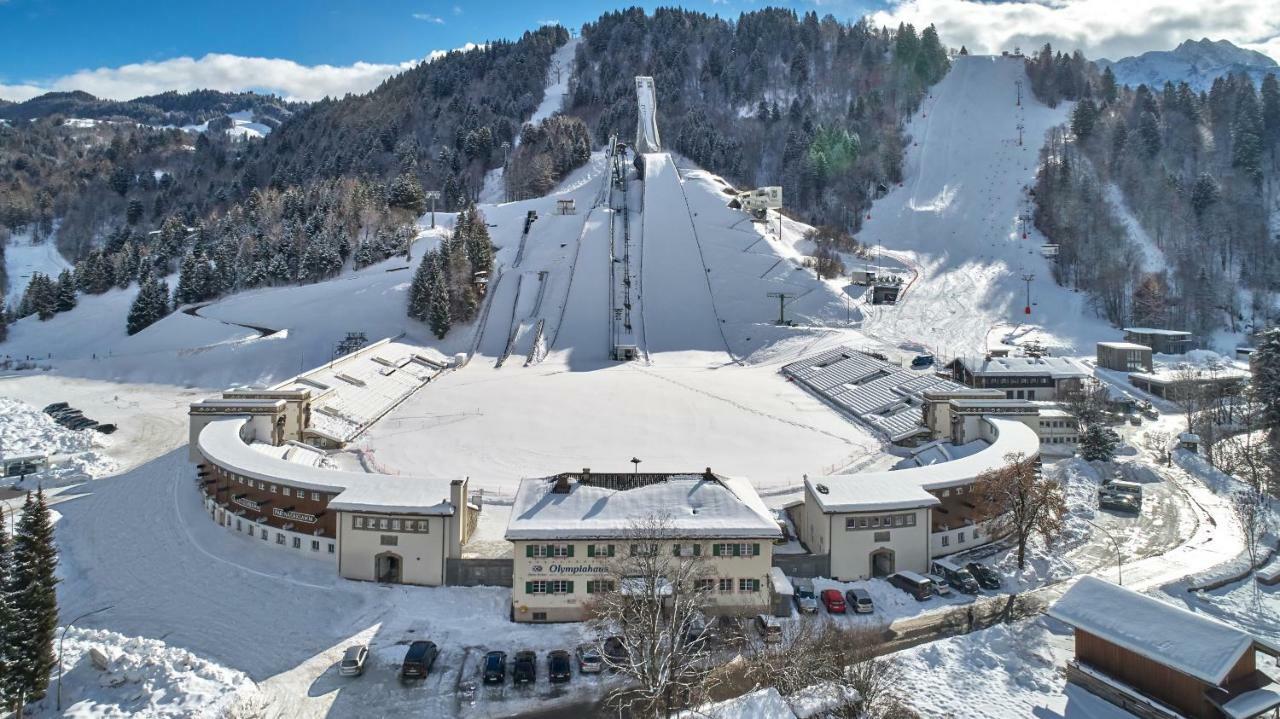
(63, 638)
(1119, 559)
(635, 462)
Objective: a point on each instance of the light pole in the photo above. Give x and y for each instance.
(635, 462)
(1119, 559)
(63, 638)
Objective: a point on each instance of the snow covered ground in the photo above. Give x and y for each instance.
(22, 259)
(244, 125)
(955, 220)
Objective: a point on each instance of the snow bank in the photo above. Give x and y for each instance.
(74, 455)
(144, 678)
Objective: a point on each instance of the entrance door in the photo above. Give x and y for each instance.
(387, 568)
(882, 563)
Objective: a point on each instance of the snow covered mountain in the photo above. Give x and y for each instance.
(1198, 63)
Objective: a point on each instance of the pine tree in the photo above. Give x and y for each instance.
(6, 610)
(419, 297)
(1265, 364)
(1110, 90)
(1083, 118)
(151, 305)
(66, 297)
(185, 292)
(33, 601)
(438, 317)
(1098, 443)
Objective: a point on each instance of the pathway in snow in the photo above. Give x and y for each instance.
(956, 219)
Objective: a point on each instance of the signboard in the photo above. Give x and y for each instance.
(557, 569)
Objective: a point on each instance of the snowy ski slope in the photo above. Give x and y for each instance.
(955, 220)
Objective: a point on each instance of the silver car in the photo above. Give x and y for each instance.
(353, 660)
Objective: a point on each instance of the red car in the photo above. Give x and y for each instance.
(833, 600)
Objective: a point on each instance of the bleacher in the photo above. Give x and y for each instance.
(355, 390)
(882, 395)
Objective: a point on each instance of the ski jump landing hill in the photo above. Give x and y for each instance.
(956, 220)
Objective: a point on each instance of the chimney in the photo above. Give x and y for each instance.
(707, 475)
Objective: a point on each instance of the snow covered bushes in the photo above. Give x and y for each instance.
(445, 288)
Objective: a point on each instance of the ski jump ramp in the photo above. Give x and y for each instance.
(647, 139)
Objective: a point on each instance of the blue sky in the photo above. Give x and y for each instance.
(309, 48)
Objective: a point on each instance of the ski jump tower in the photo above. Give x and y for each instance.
(647, 117)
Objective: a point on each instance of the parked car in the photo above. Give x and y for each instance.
(940, 586)
(419, 660)
(921, 361)
(860, 600)
(524, 670)
(1151, 413)
(1135, 420)
(833, 600)
(1120, 502)
(1120, 486)
(589, 659)
(51, 408)
(769, 627)
(559, 666)
(806, 602)
(495, 667)
(615, 650)
(956, 576)
(987, 577)
(107, 428)
(353, 660)
(913, 584)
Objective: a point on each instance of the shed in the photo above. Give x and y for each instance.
(1144, 654)
(783, 593)
(1125, 356)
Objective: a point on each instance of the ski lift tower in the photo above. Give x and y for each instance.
(647, 139)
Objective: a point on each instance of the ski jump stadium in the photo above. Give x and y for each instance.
(263, 460)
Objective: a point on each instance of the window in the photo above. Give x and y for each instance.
(960, 537)
(535, 587)
(358, 522)
(535, 550)
(705, 585)
(389, 540)
(726, 585)
(899, 520)
(862, 522)
(297, 543)
(384, 523)
(561, 586)
(539, 616)
(315, 545)
(644, 550)
(315, 496)
(560, 551)
(599, 586)
(975, 532)
(395, 525)
(850, 523)
(875, 521)
(273, 489)
(424, 526)
(599, 550)
(748, 585)
(882, 536)
(287, 493)
(748, 550)
(946, 541)
(279, 538)
(330, 547)
(237, 525)
(686, 550)
(264, 535)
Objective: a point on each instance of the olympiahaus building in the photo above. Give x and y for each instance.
(571, 531)
(261, 466)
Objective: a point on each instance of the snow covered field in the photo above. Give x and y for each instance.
(22, 259)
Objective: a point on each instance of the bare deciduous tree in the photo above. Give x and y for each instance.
(650, 619)
(1020, 502)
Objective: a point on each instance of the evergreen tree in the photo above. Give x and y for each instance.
(406, 193)
(1098, 443)
(1271, 111)
(7, 628)
(66, 297)
(33, 601)
(1265, 364)
(1246, 134)
(185, 292)
(151, 305)
(1110, 90)
(1083, 118)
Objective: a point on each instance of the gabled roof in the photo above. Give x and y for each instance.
(1190, 643)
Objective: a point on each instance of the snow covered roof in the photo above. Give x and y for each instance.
(1124, 346)
(1190, 643)
(1252, 703)
(911, 487)
(694, 504)
(1055, 367)
(1153, 331)
(221, 443)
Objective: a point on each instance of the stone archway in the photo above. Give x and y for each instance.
(388, 568)
(882, 562)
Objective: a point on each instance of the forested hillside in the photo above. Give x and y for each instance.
(340, 180)
(170, 108)
(1200, 173)
(775, 98)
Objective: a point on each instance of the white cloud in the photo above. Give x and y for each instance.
(230, 73)
(427, 17)
(1101, 28)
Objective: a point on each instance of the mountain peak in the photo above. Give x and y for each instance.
(1220, 53)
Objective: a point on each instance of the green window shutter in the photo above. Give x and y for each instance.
(550, 550)
(569, 587)
(675, 550)
(737, 549)
(715, 549)
(591, 552)
(610, 550)
(528, 587)
(697, 550)
(755, 550)
(571, 550)
(528, 550)
(591, 587)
